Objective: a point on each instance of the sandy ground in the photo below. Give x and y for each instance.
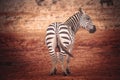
(24, 56)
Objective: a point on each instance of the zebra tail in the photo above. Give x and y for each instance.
(63, 47)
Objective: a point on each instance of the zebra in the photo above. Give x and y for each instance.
(108, 2)
(60, 39)
(39, 2)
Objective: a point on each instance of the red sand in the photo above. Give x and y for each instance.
(24, 56)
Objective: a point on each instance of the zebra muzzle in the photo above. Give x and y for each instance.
(92, 30)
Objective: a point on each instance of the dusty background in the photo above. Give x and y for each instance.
(24, 56)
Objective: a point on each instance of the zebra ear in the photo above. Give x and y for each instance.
(81, 11)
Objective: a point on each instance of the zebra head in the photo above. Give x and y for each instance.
(86, 22)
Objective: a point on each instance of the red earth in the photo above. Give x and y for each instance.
(24, 56)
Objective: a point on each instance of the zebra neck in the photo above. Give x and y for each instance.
(74, 22)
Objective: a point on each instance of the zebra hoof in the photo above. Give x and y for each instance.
(65, 74)
(68, 71)
(53, 72)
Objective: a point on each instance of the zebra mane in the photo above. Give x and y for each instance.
(74, 21)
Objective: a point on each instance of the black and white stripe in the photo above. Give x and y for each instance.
(57, 31)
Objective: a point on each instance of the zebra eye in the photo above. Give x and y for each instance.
(88, 18)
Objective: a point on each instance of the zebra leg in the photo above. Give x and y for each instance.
(61, 57)
(108, 3)
(101, 2)
(54, 62)
(68, 58)
(111, 2)
(67, 64)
